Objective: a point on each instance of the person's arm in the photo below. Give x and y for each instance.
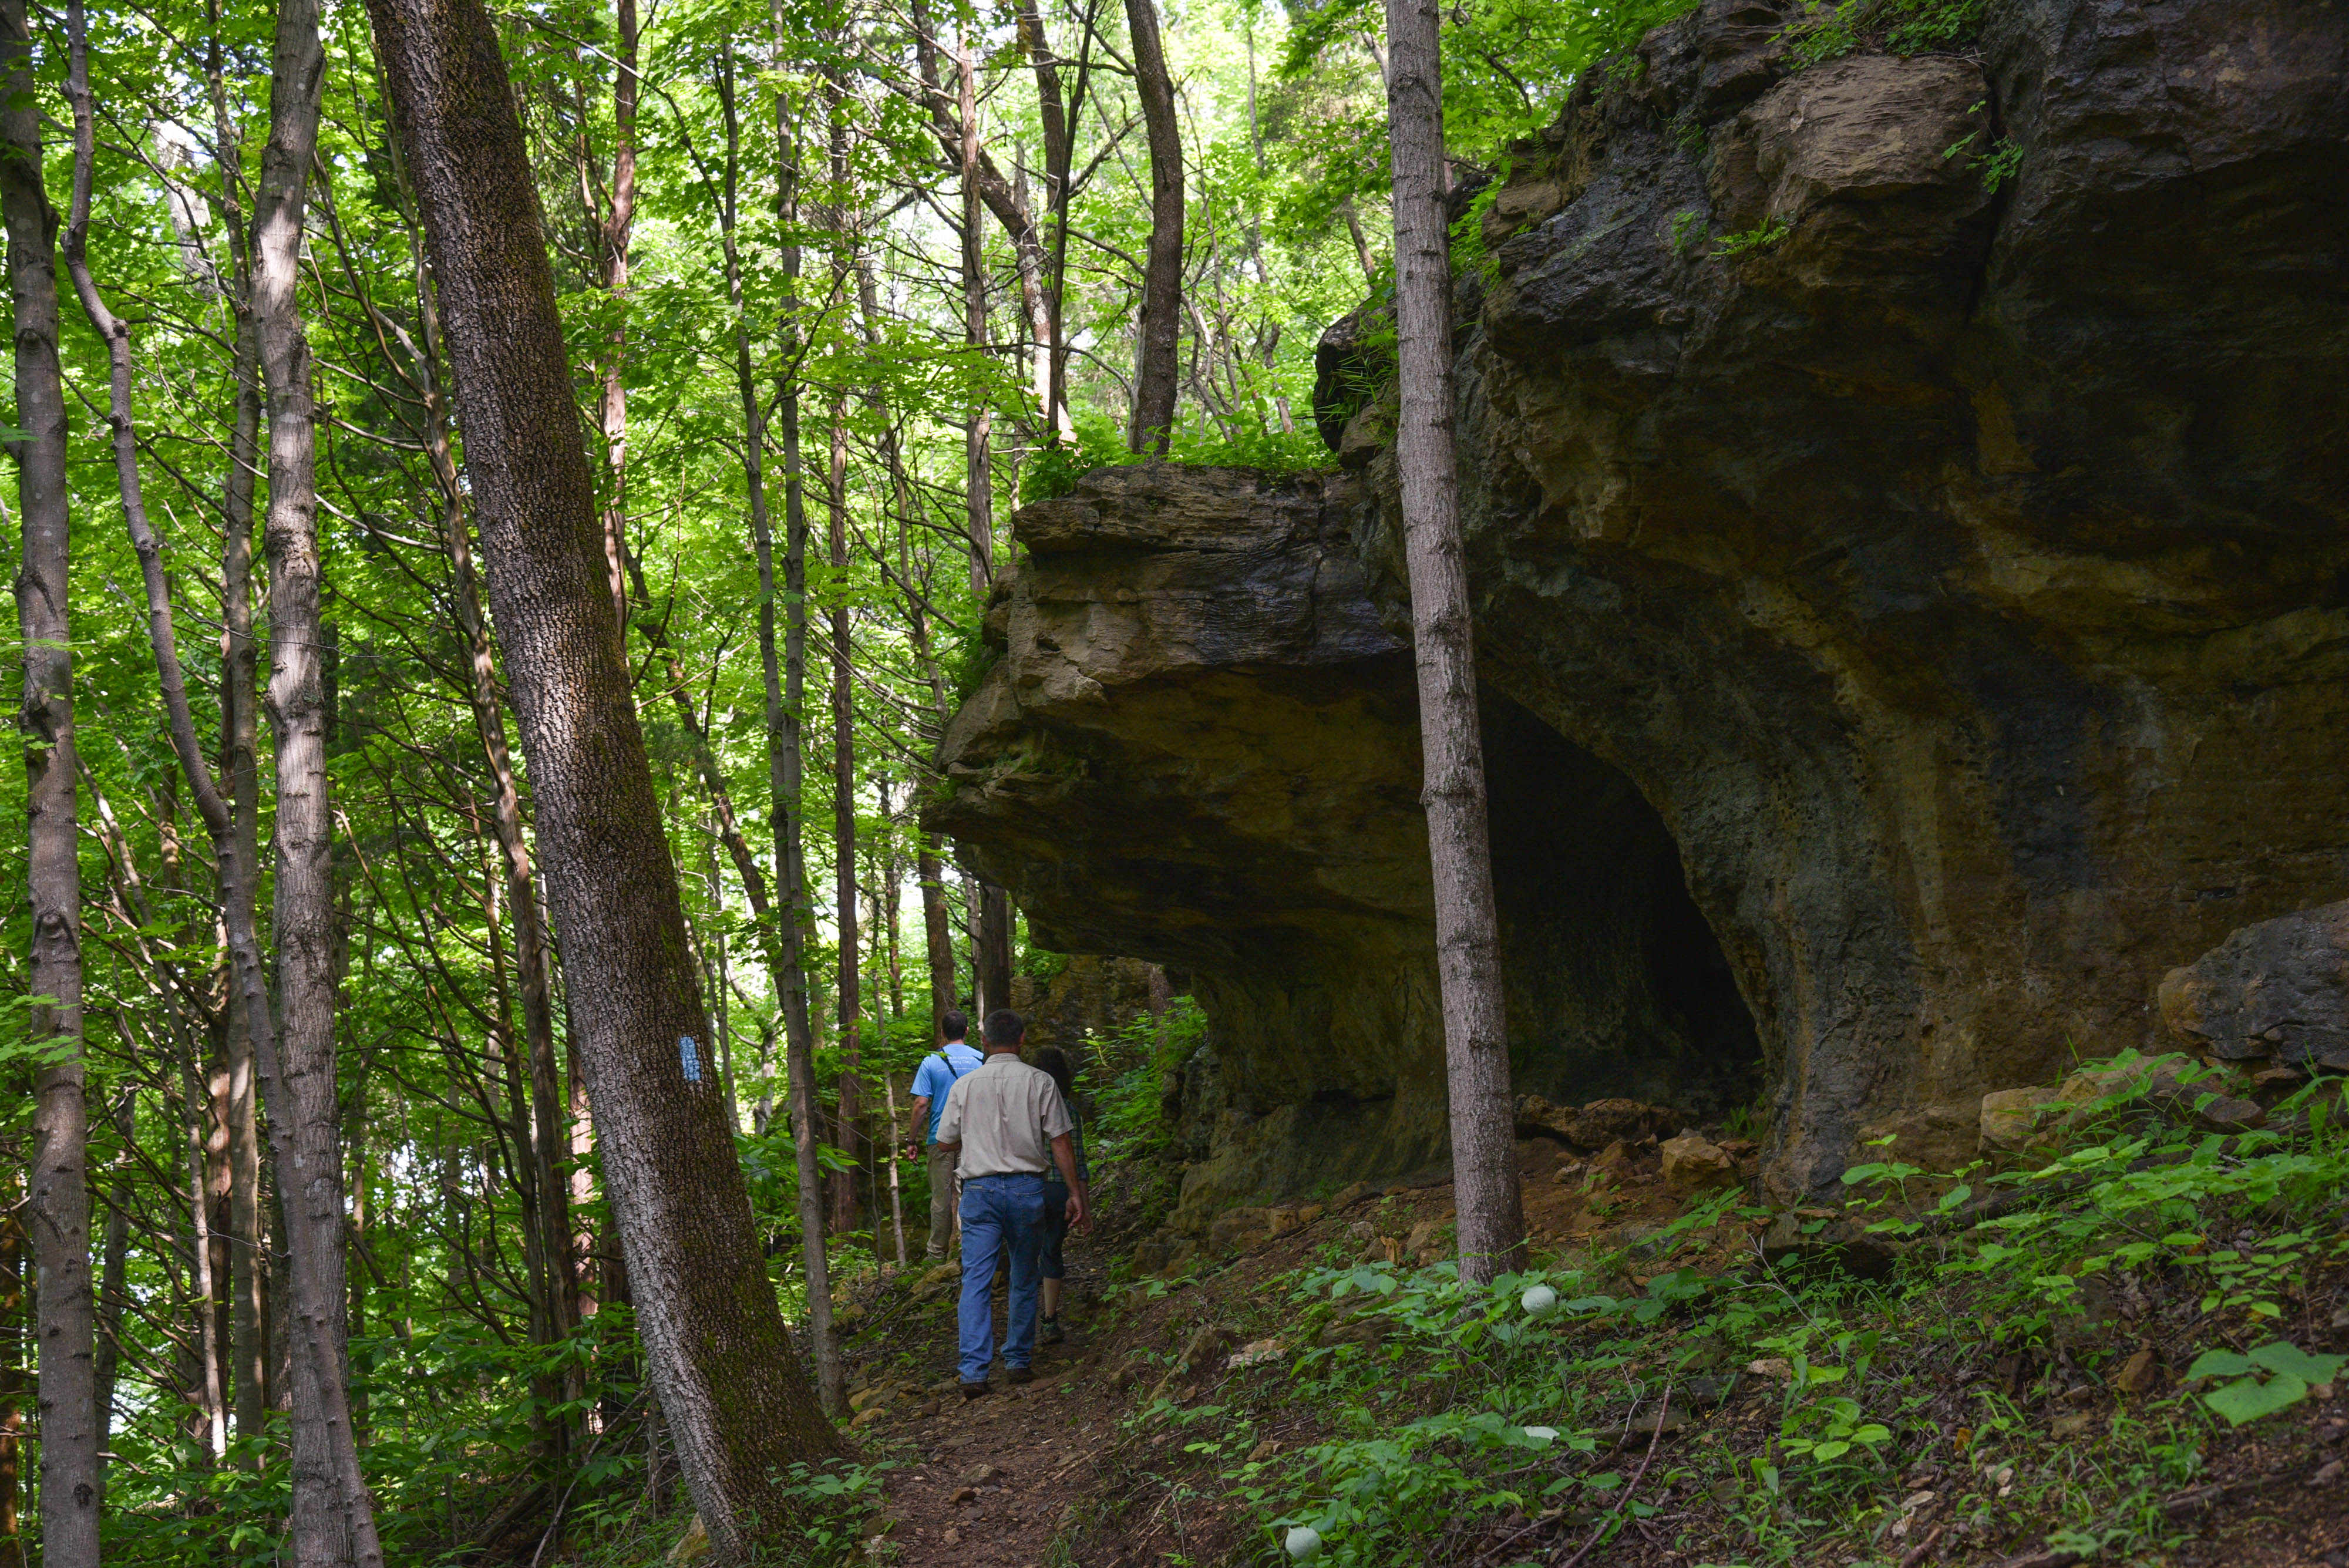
(1064, 1155)
(921, 1121)
(950, 1122)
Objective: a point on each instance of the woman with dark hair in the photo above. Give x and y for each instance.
(1051, 1059)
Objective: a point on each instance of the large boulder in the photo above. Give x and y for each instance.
(2278, 989)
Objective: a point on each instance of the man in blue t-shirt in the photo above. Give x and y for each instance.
(932, 1079)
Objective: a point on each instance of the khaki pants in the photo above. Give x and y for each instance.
(943, 1210)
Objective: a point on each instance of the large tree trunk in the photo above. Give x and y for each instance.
(784, 678)
(247, 1347)
(1467, 938)
(1162, 286)
(333, 1517)
(731, 1388)
(58, 1180)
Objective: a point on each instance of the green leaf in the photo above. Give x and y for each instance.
(2220, 1363)
(1872, 1433)
(1827, 1451)
(2246, 1400)
(2282, 1357)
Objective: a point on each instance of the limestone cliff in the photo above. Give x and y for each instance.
(1199, 747)
(1906, 501)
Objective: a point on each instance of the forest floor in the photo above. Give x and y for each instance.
(1192, 1420)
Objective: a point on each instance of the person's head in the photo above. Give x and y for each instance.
(1055, 1061)
(1005, 1030)
(954, 1026)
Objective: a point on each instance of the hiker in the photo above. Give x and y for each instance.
(1005, 1122)
(932, 1079)
(1055, 1061)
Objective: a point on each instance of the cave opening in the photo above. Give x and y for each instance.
(1617, 984)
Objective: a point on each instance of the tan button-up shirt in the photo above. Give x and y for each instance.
(1005, 1114)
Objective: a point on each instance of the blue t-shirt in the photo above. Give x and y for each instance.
(935, 1077)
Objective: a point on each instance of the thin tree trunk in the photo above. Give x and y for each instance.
(113, 1294)
(978, 482)
(847, 997)
(1161, 287)
(337, 1524)
(248, 1349)
(532, 965)
(785, 762)
(618, 227)
(992, 960)
(731, 1388)
(937, 938)
(784, 682)
(1467, 938)
(13, 1388)
(58, 1180)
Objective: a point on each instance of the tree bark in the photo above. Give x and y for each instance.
(731, 1388)
(784, 678)
(336, 1524)
(937, 935)
(12, 1387)
(1467, 938)
(992, 960)
(58, 1180)
(1161, 287)
(847, 994)
(978, 482)
(247, 1346)
(618, 227)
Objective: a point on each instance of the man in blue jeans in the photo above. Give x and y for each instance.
(1006, 1123)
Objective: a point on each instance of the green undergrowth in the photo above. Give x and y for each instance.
(1097, 442)
(1976, 1391)
(1901, 26)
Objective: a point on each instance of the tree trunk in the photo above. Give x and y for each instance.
(991, 962)
(531, 964)
(618, 227)
(729, 1387)
(1162, 286)
(247, 1347)
(1467, 939)
(937, 935)
(334, 1522)
(58, 1179)
(785, 682)
(847, 992)
(978, 482)
(13, 1388)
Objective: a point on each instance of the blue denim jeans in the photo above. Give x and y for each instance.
(1001, 1215)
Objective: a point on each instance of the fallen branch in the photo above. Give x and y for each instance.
(1630, 1492)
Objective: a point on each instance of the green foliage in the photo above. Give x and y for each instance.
(2273, 1376)
(1902, 27)
(1470, 1407)
(1759, 238)
(1053, 471)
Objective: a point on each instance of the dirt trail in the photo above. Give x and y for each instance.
(987, 1483)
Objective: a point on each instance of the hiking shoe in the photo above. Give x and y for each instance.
(976, 1390)
(1018, 1375)
(1052, 1335)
